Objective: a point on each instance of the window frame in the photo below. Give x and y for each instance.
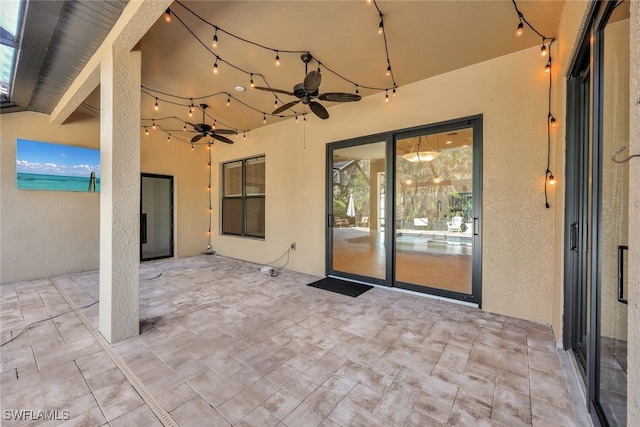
(245, 196)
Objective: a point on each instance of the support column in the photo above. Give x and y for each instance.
(120, 73)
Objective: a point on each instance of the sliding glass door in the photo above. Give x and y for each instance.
(435, 212)
(404, 209)
(357, 214)
(596, 285)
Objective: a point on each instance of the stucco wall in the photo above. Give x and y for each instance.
(44, 233)
(510, 92)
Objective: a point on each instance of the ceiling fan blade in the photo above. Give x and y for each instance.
(223, 132)
(339, 97)
(269, 89)
(319, 110)
(284, 107)
(196, 138)
(312, 81)
(222, 138)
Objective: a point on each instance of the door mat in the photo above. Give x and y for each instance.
(343, 287)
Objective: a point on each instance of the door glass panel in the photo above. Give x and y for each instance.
(358, 210)
(156, 217)
(614, 232)
(434, 210)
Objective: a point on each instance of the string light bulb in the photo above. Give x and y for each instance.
(275, 103)
(386, 95)
(214, 124)
(215, 66)
(381, 26)
(357, 90)
(277, 58)
(153, 124)
(369, 2)
(543, 50)
(214, 42)
(168, 137)
(146, 131)
(228, 100)
(167, 16)
(393, 92)
(552, 121)
(547, 67)
(252, 84)
(191, 146)
(264, 118)
(156, 106)
(552, 179)
(184, 128)
(389, 70)
(520, 29)
(296, 119)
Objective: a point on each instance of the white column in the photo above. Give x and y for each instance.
(120, 71)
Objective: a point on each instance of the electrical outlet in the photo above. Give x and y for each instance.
(293, 246)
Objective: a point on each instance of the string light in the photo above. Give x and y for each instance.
(156, 106)
(214, 42)
(389, 70)
(153, 124)
(277, 58)
(146, 131)
(191, 107)
(357, 90)
(228, 100)
(296, 119)
(386, 96)
(214, 124)
(167, 15)
(549, 179)
(277, 51)
(168, 137)
(191, 146)
(264, 118)
(275, 103)
(252, 83)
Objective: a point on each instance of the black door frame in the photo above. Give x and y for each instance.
(390, 138)
(143, 219)
(593, 48)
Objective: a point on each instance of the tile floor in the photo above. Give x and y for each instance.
(223, 344)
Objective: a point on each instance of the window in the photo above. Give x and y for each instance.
(243, 197)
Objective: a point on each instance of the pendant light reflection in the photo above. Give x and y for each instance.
(421, 156)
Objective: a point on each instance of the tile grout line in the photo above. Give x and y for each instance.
(159, 411)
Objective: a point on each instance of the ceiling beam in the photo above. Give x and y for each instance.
(136, 19)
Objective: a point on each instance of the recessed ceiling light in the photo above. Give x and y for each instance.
(240, 88)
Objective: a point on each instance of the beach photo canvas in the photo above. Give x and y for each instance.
(45, 166)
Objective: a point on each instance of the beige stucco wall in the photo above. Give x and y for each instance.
(510, 92)
(44, 233)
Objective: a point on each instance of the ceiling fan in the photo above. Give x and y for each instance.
(307, 91)
(204, 129)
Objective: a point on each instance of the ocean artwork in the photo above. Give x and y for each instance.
(57, 167)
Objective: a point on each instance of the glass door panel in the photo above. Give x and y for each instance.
(156, 217)
(357, 211)
(434, 211)
(612, 367)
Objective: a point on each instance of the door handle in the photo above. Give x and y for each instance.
(330, 219)
(573, 237)
(143, 227)
(621, 249)
(476, 224)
